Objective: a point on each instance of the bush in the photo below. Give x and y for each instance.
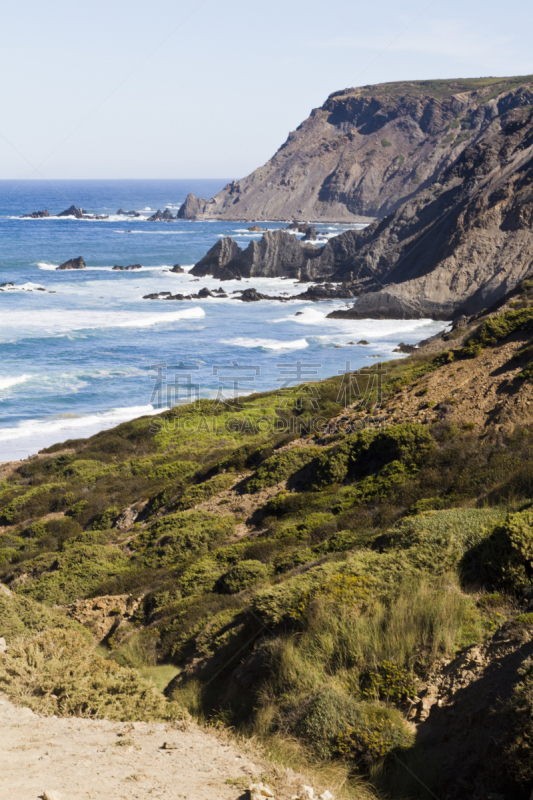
(504, 560)
(377, 732)
(327, 715)
(243, 576)
(21, 616)
(518, 741)
(57, 672)
(280, 467)
(180, 536)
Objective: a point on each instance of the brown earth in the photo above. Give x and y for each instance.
(101, 760)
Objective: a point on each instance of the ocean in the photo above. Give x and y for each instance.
(90, 352)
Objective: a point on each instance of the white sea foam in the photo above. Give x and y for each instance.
(31, 436)
(266, 344)
(7, 383)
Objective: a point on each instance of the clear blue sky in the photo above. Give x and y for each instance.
(191, 89)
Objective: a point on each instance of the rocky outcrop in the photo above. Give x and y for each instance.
(460, 245)
(217, 260)
(122, 213)
(162, 216)
(73, 211)
(73, 263)
(177, 268)
(277, 254)
(369, 149)
(129, 267)
(191, 208)
(36, 215)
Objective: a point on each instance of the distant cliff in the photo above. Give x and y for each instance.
(367, 150)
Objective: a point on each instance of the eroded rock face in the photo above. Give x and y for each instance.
(103, 615)
(458, 246)
(73, 211)
(73, 263)
(217, 260)
(367, 150)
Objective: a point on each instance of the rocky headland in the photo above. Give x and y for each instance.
(367, 150)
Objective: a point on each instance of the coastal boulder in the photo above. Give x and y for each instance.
(73, 211)
(129, 267)
(191, 208)
(73, 263)
(177, 268)
(36, 215)
(217, 261)
(162, 216)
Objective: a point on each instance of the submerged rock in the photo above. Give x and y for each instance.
(177, 268)
(162, 216)
(129, 267)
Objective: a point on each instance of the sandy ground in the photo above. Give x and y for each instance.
(78, 758)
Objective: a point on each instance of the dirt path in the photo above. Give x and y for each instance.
(100, 760)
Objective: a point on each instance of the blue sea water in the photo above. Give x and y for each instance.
(84, 354)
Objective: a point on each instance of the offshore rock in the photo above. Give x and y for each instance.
(129, 267)
(36, 215)
(217, 260)
(162, 216)
(73, 211)
(73, 263)
(191, 208)
(177, 268)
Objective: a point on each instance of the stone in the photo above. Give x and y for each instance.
(326, 796)
(171, 745)
(177, 268)
(260, 790)
(129, 267)
(306, 793)
(122, 213)
(363, 341)
(162, 216)
(73, 263)
(3, 645)
(73, 211)
(36, 215)
(191, 208)
(49, 794)
(5, 591)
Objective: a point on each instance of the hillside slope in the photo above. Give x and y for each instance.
(367, 150)
(344, 572)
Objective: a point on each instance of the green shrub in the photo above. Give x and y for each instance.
(57, 672)
(279, 467)
(243, 576)
(75, 573)
(177, 471)
(22, 616)
(378, 731)
(504, 560)
(203, 491)
(106, 519)
(386, 143)
(389, 682)
(180, 536)
(328, 714)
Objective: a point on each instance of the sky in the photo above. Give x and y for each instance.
(211, 88)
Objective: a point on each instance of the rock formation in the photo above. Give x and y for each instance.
(36, 215)
(367, 150)
(177, 268)
(278, 254)
(162, 216)
(73, 263)
(191, 208)
(73, 211)
(129, 267)
(458, 246)
(122, 213)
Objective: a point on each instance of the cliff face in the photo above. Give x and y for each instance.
(458, 246)
(367, 150)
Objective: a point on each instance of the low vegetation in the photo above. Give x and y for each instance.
(379, 554)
